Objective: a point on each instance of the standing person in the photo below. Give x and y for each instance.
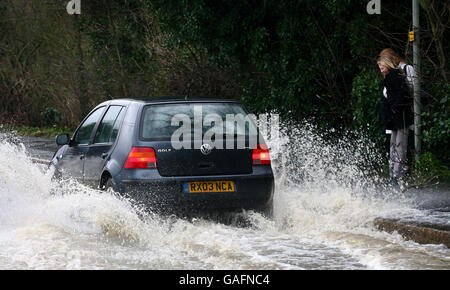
(399, 62)
(407, 69)
(397, 115)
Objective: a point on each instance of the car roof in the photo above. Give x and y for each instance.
(168, 100)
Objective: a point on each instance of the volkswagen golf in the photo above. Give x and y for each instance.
(203, 154)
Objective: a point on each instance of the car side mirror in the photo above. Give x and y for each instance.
(62, 139)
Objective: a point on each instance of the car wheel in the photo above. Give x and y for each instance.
(108, 185)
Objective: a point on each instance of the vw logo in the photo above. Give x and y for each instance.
(206, 149)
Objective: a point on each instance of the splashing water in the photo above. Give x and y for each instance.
(324, 208)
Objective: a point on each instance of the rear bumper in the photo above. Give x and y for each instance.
(253, 191)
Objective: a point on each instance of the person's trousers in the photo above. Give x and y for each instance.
(398, 162)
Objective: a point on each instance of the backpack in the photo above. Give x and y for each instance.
(409, 95)
(407, 87)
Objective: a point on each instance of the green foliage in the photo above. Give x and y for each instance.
(428, 169)
(436, 123)
(365, 103)
(50, 116)
(296, 57)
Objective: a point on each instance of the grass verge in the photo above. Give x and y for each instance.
(44, 132)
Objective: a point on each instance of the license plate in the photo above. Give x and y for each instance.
(209, 186)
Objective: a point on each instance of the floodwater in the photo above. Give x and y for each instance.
(324, 208)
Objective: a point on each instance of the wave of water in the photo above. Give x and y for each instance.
(324, 209)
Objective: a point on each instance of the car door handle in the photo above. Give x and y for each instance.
(104, 155)
(81, 157)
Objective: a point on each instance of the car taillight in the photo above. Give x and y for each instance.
(141, 157)
(260, 155)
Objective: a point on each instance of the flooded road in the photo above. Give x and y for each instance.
(324, 212)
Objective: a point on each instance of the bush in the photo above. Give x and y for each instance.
(367, 94)
(50, 117)
(436, 123)
(428, 169)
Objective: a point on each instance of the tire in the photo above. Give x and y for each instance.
(108, 185)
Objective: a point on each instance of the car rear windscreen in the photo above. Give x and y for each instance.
(161, 121)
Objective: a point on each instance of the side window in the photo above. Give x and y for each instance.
(109, 125)
(83, 134)
(116, 127)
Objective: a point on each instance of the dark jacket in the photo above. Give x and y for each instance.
(397, 108)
